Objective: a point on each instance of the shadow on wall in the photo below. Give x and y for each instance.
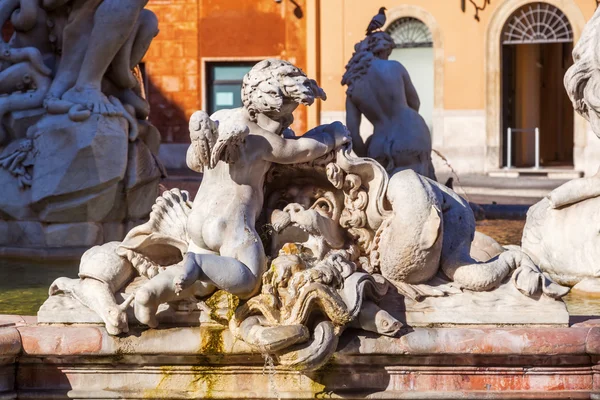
(167, 116)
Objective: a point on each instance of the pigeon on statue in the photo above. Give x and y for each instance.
(377, 22)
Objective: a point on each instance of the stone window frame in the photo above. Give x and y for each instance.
(493, 84)
(419, 38)
(204, 61)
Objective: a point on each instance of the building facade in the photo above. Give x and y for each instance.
(203, 50)
(489, 74)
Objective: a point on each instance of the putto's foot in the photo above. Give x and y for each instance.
(55, 105)
(92, 99)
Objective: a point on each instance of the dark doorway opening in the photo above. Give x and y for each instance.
(536, 53)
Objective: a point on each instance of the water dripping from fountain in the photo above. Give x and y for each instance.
(452, 171)
(269, 368)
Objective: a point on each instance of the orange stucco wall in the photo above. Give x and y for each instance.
(343, 23)
(193, 31)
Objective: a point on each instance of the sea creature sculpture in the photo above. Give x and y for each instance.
(101, 274)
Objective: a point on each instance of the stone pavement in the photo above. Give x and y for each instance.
(483, 189)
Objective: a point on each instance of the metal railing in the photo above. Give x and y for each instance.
(536, 131)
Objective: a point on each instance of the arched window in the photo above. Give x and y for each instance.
(537, 23)
(409, 32)
(414, 50)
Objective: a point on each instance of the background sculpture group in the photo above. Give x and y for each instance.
(77, 154)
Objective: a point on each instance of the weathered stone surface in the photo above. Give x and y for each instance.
(77, 234)
(495, 307)
(469, 308)
(113, 231)
(61, 341)
(141, 181)
(63, 309)
(36, 234)
(77, 166)
(19, 122)
(10, 341)
(41, 340)
(14, 202)
(22, 233)
(206, 362)
(74, 119)
(10, 347)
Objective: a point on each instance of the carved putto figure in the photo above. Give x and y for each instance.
(301, 237)
(382, 91)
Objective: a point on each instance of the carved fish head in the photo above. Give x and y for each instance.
(116, 317)
(386, 324)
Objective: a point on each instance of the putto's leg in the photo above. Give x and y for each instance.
(161, 289)
(133, 50)
(226, 273)
(192, 264)
(75, 39)
(114, 22)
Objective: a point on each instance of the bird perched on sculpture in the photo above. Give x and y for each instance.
(377, 22)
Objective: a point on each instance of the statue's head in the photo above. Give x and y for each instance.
(582, 80)
(378, 45)
(275, 88)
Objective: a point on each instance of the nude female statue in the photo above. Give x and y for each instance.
(381, 90)
(235, 149)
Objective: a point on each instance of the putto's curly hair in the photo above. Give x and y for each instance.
(364, 53)
(271, 81)
(582, 80)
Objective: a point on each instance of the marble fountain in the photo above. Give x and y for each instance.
(306, 266)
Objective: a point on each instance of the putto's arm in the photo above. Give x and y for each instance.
(412, 96)
(314, 144)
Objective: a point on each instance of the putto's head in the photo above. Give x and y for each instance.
(274, 87)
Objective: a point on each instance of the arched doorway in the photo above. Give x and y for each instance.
(536, 46)
(414, 50)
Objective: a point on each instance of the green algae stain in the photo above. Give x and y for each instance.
(222, 305)
(317, 377)
(211, 341)
(205, 376)
(163, 384)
